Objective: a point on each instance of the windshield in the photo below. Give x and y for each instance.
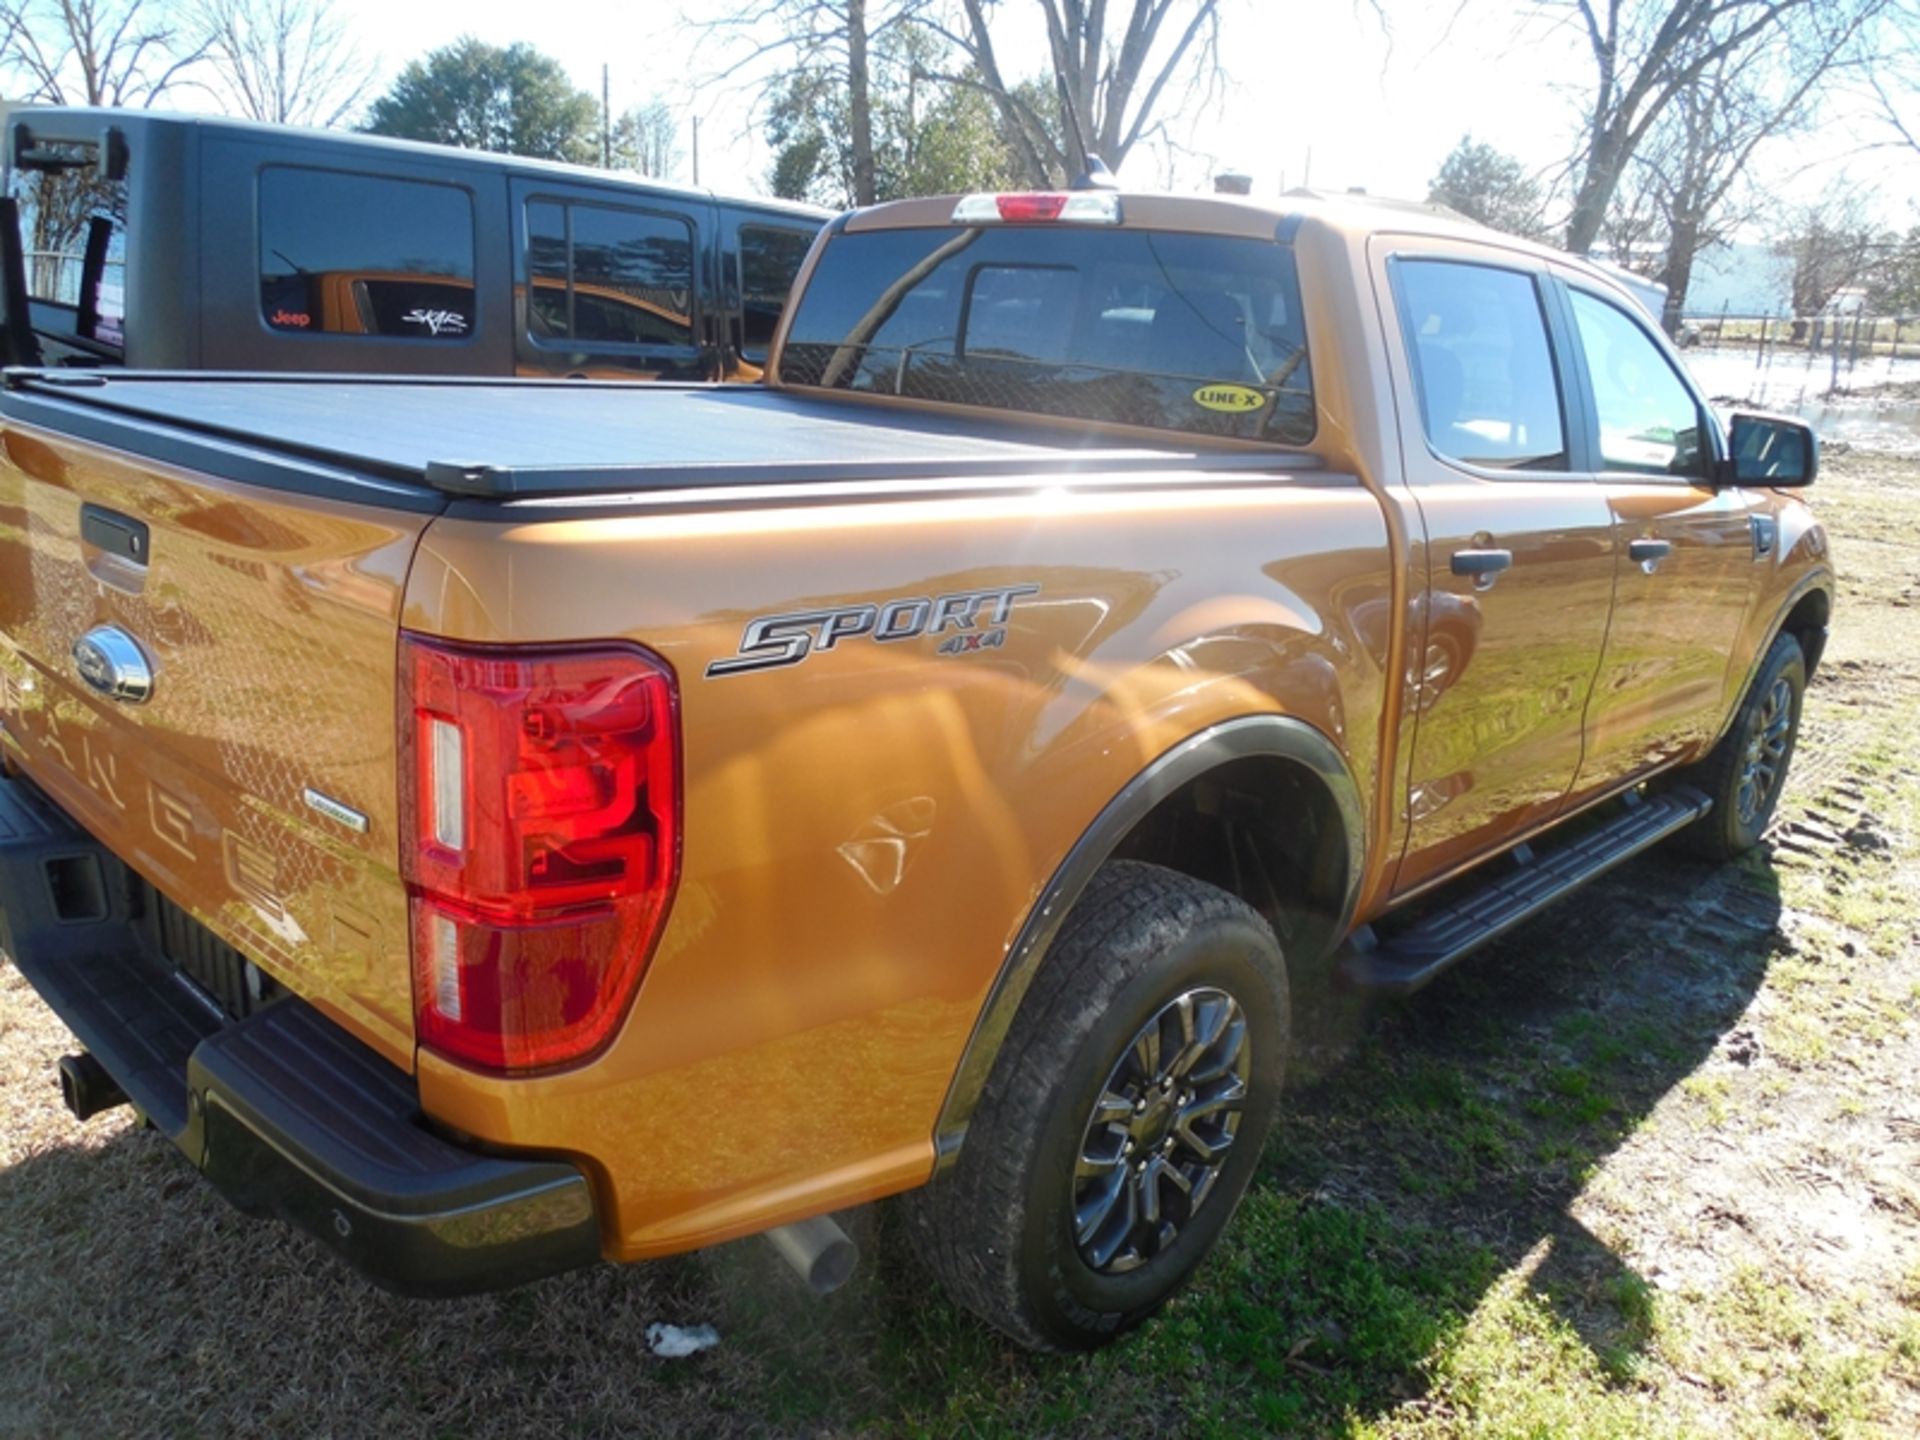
(1200, 333)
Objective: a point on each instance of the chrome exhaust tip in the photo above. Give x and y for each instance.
(820, 1252)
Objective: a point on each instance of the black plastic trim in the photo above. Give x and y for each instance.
(513, 482)
(93, 422)
(1820, 579)
(284, 1111)
(1417, 956)
(107, 410)
(20, 345)
(1280, 736)
(299, 1119)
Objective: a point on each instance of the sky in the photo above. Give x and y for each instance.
(1318, 92)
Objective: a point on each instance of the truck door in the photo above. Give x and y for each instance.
(1686, 549)
(1518, 552)
(606, 289)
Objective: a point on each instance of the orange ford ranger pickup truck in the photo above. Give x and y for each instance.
(502, 826)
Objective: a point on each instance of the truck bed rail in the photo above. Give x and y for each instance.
(373, 438)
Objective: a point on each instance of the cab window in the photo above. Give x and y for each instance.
(770, 258)
(1197, 333)
(601, 275)
(1650, 423)
(1489, 395)
(349, 254)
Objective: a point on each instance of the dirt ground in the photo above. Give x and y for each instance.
(1650, 1166)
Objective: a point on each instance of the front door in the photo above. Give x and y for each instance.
(1519, 556)
(1686, 552)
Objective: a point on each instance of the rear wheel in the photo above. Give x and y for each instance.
(1746, 771)
(1123, 1119)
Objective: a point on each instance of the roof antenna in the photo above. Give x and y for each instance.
(1097, 176)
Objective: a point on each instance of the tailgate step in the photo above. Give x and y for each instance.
(1408, 960)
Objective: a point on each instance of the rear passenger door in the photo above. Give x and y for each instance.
(1517, 550)
(607, 289)
(1687, 547)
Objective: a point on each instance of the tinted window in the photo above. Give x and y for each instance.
(769, 260)
(1007, 314)
(365, 255)
(1184, 332)
(603, 276)
(1649, 420)
(73, 228)
(1488, 392)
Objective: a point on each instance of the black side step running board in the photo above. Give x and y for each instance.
(1402, 964)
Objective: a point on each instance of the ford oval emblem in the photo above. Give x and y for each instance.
(111, 662)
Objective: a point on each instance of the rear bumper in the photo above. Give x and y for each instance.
(283, 1111)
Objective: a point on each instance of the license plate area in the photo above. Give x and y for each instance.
(215, 973)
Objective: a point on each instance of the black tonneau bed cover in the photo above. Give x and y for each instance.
(424, 440)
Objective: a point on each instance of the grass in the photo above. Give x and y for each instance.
(1643, 1169)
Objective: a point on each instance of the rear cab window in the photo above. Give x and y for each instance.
(73, 232)
(1195, 333)
(343, 253)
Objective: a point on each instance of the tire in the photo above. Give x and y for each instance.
(1757, 749)
(999, 1230)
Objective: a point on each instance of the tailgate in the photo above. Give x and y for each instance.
(255, 786)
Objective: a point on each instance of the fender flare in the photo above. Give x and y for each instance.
(1819, 579)
(1277, 736)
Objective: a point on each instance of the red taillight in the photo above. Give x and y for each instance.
(541, 842)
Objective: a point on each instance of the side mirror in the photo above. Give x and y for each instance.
(1770, 450)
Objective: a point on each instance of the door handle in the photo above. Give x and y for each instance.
(1481, 565)
(1647, 553)
(115, 533)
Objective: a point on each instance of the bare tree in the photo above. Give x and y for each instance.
(1113, 70)
(1646, 53)
(1831, 246)
(95, 52)
(1695, 160)
(834, 37)
(288, 62)
(1634, 232)
(647, 139)
(1900, 105)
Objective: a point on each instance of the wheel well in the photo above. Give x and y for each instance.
(1263, 828)
(1807, 623)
